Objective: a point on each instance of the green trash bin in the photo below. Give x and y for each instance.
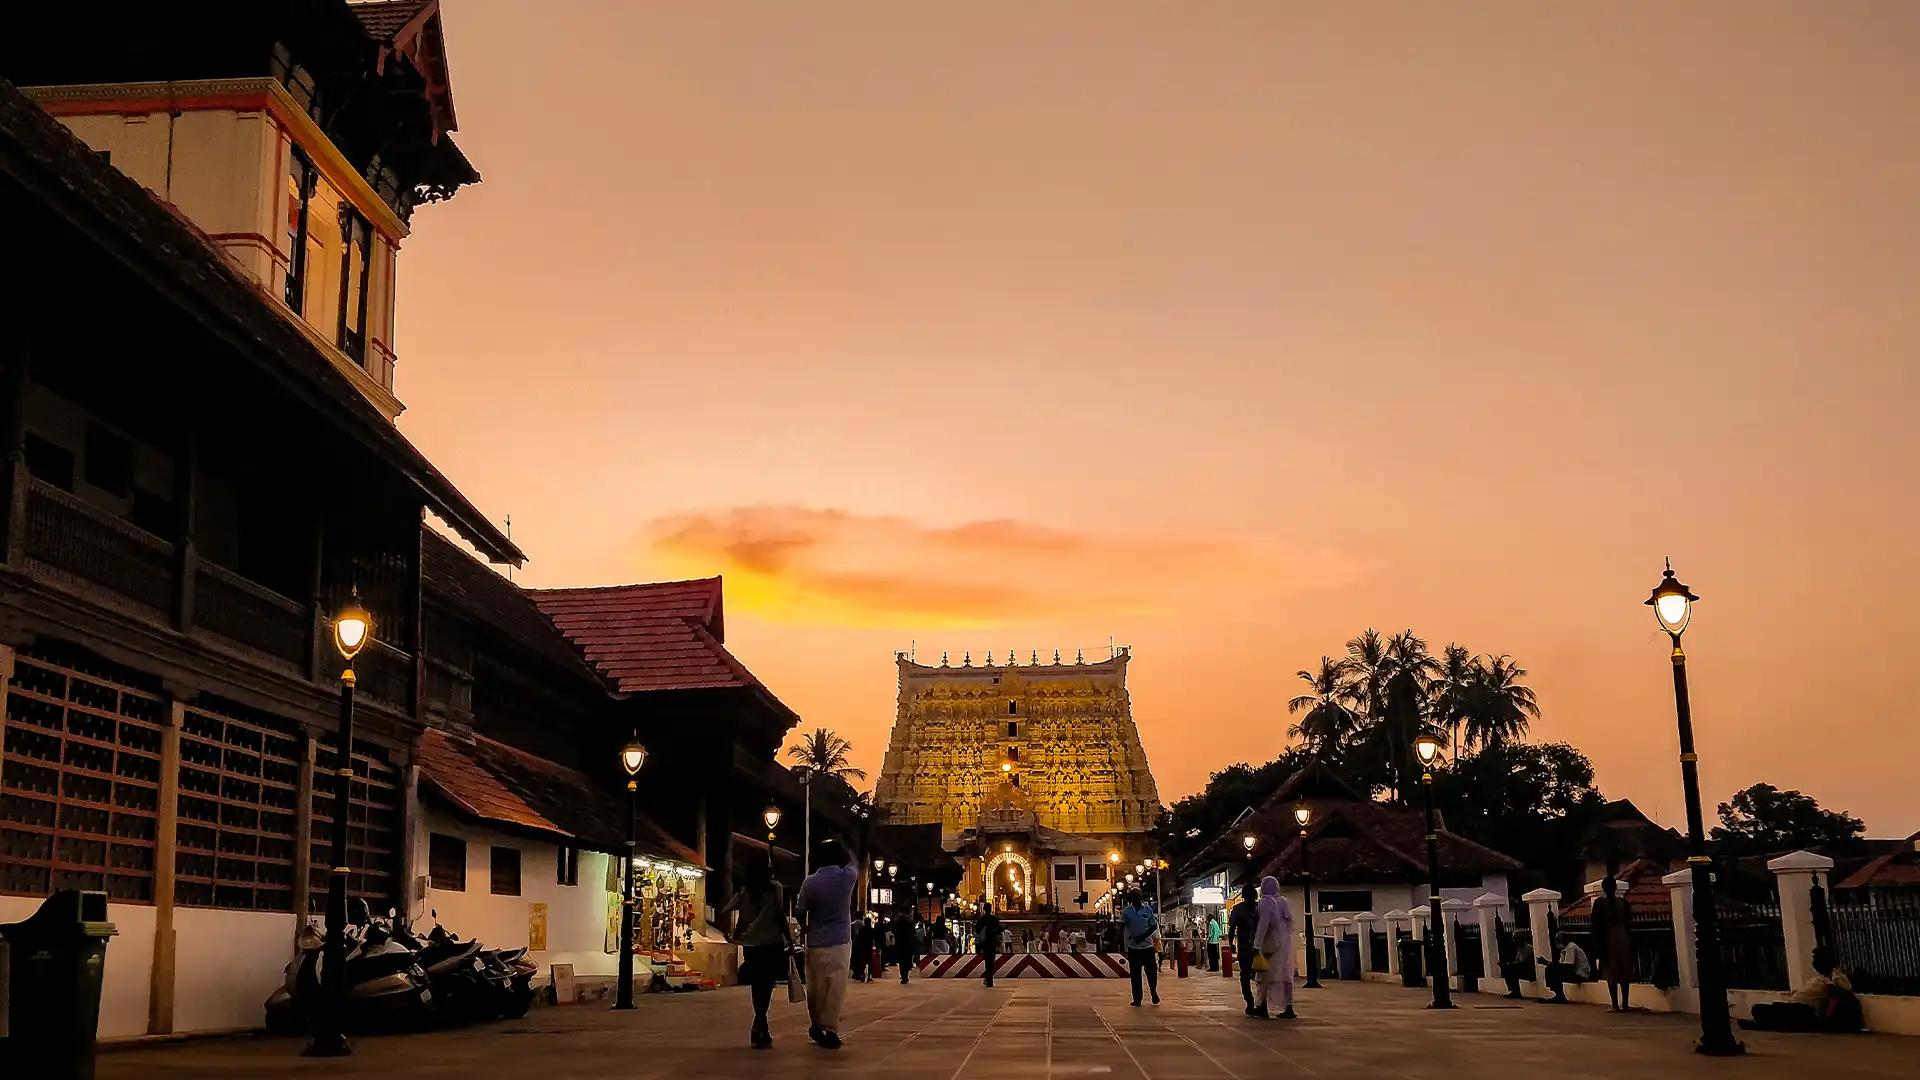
(56, 959)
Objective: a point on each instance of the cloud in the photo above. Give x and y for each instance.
(835, 567)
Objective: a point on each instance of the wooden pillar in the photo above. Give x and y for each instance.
(416, 629)
(186, 464)
(17, 354)
(303, 832)
(412, 835)
(166, 825)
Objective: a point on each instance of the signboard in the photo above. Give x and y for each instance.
(1209, 894)
(536, 928)
(563, 984)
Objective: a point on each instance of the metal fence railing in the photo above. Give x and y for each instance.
(1876, 941)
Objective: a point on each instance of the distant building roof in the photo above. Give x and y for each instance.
(665, 636)
(1646, 893)
(1897, 869)
(492, 782)
(465, 583)
(1622, 833)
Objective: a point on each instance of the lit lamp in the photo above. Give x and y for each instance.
(1303, 815)
(893, 871)
(352, 626)
(1672, 604)
(632, 756)
(771, 815)
(1427, 747)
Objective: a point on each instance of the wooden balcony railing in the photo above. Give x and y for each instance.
(250, 614)
(69, 540)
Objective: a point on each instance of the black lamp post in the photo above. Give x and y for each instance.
(771, 815)
(1304, 814)
(1428, 747)
(352, 626)
(632, 757)
(1672, 605)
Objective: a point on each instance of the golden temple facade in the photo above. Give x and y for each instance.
(1051, 739)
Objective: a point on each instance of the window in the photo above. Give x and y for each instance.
(447, 862)
(49, 461)
(1096, 872)
(1013, 729)
(356, 259)
(1013, 708)
(1344, 900)
(109, 462)
(506, 871)
(1066, 871)
(566, 861)
(300, 178)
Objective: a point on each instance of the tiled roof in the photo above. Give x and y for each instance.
(1899, 868)
(493, 782)
(467, 584)
(130, 224)
(666, 636)
(1646, 894)
(385, 18)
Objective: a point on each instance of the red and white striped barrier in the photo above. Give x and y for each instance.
(1026, 965)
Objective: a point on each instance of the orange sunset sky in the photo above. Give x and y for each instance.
(1225, 329)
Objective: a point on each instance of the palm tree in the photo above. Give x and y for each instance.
(1364, 673)
(826, 754)
(1502, 705)
(1459, 674)
(1328, 722)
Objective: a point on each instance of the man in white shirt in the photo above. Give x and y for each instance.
(1569, 965)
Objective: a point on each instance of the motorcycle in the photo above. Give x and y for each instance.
(386, 988)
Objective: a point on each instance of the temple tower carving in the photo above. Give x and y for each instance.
(1058, 738)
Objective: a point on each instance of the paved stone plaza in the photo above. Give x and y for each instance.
(1035, 1029)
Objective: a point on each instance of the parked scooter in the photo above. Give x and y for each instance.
(386, 989)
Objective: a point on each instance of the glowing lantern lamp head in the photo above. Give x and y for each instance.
(879, 865)
(1672, 603)
(771, 815)
(351, 627)
(1247, 842)
(1303, 814)
(1113, 856)
(633, 756)
(1428, 747)
(1006, 766)
(893, 869)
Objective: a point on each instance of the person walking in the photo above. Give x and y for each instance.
(1213, 941)
(1273, 937)
(1242, 921)
(905, 940)
(861, 961)
(1613, 938)
(825, 909)
(1142, 927)
(760, 929)
(986, 933)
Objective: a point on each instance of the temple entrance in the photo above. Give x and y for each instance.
(1009, 883)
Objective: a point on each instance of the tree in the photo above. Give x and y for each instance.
(1194, 821)
(1530, 800)
(1328, 722)
(1459, 674)
(827, 754)
(1499, 706)
(1763, 820)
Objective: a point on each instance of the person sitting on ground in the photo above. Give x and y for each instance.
(1569, 965)
(1825, 1003)
(1517, 961)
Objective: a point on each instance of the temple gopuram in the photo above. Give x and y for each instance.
(1034, 772)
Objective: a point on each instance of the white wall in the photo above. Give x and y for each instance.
(124, 993)
(576, 914)
(225, 963)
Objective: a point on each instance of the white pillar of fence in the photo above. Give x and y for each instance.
(1486, 908)
(1793, 873)
(1680, 890)
(1340, 928)
(1363, 924)
(1394, 919)
(1539, 903)
(1451, 909)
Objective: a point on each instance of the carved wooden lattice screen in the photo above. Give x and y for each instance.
(81, 786)
(239, 800)
(373, 824)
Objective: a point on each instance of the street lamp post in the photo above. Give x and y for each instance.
(1672, 605)
(632, 756)
(806, 826)
(771, 815)
(352, 626)
(1304, 814)
(1428, 747)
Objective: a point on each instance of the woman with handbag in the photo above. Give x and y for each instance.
(762, 933)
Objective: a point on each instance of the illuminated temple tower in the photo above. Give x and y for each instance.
(1034, 771)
